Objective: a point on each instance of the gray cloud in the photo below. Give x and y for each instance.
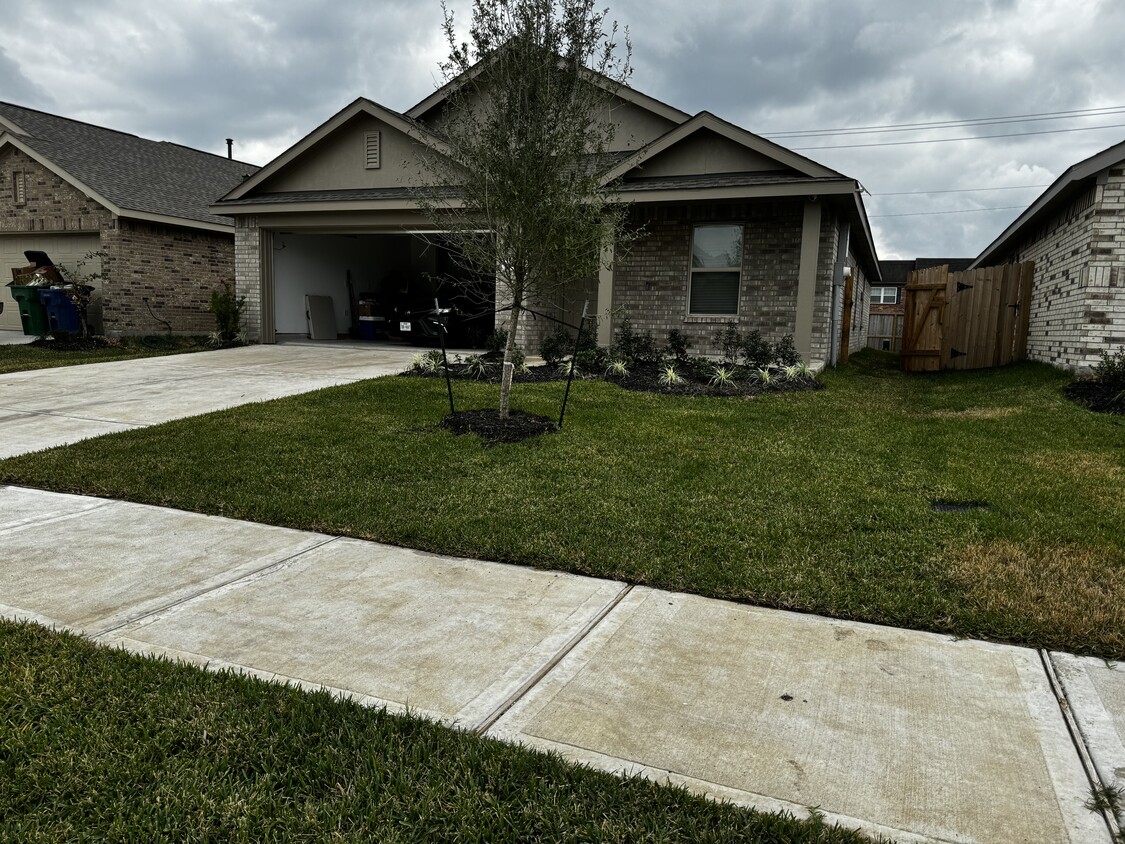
(267, 73)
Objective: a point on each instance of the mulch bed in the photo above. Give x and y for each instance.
(74, 343)
(642, 379)
(1097, 395)
(487, 424)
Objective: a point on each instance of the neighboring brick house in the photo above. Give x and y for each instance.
(1075, 234)
(69, 189)
(735, 228)
(887, 310)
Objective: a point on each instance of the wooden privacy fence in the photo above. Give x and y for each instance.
(969, 320)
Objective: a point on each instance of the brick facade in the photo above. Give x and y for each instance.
(651, 282)
(248, 273)
(1078, 303)
(174, 267)
(51, 204)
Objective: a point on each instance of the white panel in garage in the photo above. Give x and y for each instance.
(66, 249)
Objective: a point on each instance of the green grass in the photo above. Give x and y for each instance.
(24, 357)
(814, 501)
(99, 745)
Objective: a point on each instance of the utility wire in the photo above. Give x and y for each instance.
(962, 211)
(947, 124)
(959, 190)
(972, 138)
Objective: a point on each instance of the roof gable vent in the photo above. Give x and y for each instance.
(371, 150)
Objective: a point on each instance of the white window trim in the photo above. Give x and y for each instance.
(693, 270)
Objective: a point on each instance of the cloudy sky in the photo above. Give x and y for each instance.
(266, 72)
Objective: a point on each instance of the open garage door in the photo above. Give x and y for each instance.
(65, 249)
(393, 277)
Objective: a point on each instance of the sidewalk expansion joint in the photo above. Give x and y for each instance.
(535, 679)
(1079, 742)
(214, 587)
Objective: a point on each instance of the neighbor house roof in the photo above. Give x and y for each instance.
(1061, 191)
(896, 272)
(131, 176)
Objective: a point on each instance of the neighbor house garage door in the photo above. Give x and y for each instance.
(66, 249)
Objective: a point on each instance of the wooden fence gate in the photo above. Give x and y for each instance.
(969, 320)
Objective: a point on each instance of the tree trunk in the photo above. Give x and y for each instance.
(509, 367)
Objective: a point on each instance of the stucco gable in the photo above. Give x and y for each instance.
(706, 153)
(334, 156)
(705, 143)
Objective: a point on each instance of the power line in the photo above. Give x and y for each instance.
(1042, 115)
(962, 211)
(959, 190)
(950, 140)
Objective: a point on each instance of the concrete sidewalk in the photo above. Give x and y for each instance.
(46, 407)
(912, 735)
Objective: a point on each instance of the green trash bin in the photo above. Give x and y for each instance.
(32, 313)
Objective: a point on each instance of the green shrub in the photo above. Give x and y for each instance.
(1110, 371)
(593, 360)
(785, 352)
(634, 347)
(496, 342)
(756, 352)
(729, 342)
(678, 345)
(227, 308)
(556, 346)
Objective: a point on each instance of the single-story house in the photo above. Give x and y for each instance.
(1075, 234)
(887, 309)
(69, 189)
(339, 208)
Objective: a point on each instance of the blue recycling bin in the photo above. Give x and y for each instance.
(62, 314)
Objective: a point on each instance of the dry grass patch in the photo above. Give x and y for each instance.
(1072, 595)
(975, 413)
(1081, 465)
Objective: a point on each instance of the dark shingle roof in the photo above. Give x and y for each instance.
(724, 180)
(895, 272)
(135, 174)
(341, 195)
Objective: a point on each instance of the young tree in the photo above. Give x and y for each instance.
(527, 125)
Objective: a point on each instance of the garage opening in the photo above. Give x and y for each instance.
(381, 287)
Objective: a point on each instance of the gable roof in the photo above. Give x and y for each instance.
(706, 121)
(131, 176)
(1061, 191)
(896, 271)
(629, 95)
(361, 105)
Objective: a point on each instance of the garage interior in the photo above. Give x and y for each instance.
(394, 278)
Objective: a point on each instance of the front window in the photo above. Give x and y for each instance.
(884, 295)
(716, 270)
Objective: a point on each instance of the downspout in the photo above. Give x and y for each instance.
(834, 324)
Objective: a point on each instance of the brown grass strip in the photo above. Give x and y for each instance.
(1069, 593)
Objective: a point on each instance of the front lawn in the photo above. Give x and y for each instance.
(99, 745)
(817, 501)
(27, 356)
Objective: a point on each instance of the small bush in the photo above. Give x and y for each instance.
(227, 308)
(556, 346)
(1110, 371)
(756, 352)
(476, 366)
(593, 360)
(669, 377)
(617, 369)
(785, 352)
(496, 341)
(678, 345)
(729, 341)
(633, 347)
(722, 378)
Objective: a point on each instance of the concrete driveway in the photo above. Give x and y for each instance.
(49, 407)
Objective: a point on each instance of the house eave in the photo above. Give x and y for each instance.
(1079, 172)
